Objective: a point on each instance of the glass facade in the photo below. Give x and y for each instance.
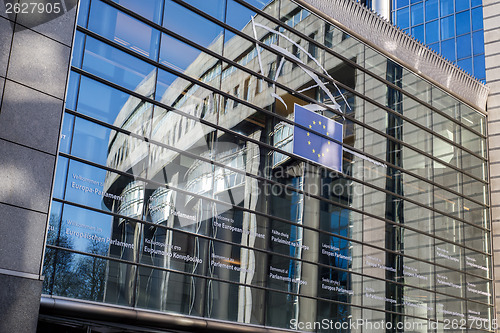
(452, 28)
(179, 187)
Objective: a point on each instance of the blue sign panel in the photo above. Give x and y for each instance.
(308, 144)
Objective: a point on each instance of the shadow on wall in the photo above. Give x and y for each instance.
(35, 13)
(20, 302)
(24, 199)
(21, 251)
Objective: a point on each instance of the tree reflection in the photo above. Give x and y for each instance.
(69, 274)
(59, 277)
(91, 271)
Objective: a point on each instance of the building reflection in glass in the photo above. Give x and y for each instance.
(237, 231)
(171, 207)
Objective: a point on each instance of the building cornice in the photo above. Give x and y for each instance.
(388, 39)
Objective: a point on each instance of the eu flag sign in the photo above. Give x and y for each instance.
(308, 144)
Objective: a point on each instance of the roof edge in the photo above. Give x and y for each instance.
(377, 32)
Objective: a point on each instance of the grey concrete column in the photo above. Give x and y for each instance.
(34, 61)
(311, 218)
(491, 13)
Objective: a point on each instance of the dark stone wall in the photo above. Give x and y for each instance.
(35, 51)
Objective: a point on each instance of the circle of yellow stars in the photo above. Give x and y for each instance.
(309, 142)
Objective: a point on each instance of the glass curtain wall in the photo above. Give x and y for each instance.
(452, 28)
(180, 187)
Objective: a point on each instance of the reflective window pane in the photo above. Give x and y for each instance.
(447, 27)
(124, 30)
(431, 9)
(214, 8)
(477, 18)
(417, 14)
(432, 32)
(463, 46)
(446, 7)
(192, 26)
(150, 9)
(117, 66)
(403, 18)
(463, 23)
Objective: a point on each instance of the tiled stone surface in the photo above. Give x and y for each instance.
(53, 25)
(35, 112)
(33, 71)
(39, 62)
(22, 253)
(6, 30)
(2, 83)
(20, 302)
(26, 177)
